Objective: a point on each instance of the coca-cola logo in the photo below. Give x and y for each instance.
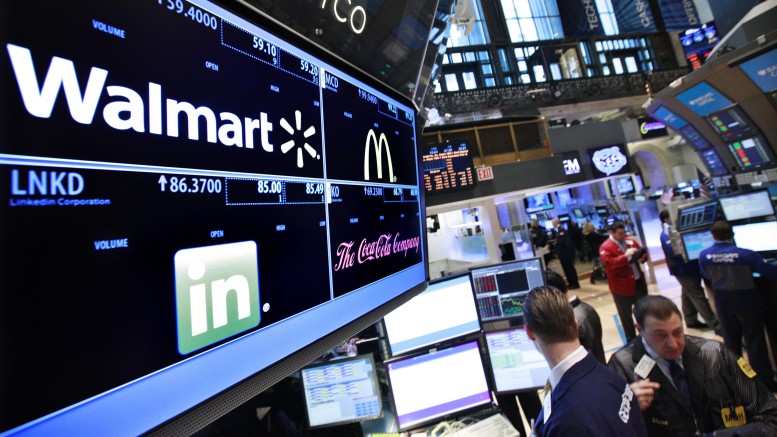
(385, 245)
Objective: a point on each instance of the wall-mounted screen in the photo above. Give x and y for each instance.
(759, 237)
(578, 213)
(669, 118)
(731, 124)
(609, 160)
(762, 70)
(625, 185)
(187, 189)
(516, 364)
(538, 202)
(438, 384)
(501, 289)
(696, 241)
(712, 161)
(563, 218)
(703, 99)
(693, 137)
(444, 311)
(746, 206)
(751, 153)
(602, 211)
(448, 167)
(341, 391)
(703, 215)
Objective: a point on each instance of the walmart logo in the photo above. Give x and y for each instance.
(288, 145)
(216, 293)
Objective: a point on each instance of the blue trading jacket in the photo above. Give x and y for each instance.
(676, 264)
(731, 268)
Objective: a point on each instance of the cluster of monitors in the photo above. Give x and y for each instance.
(694, 223)
(436, 368)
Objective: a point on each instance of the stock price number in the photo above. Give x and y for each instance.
(190, 185)
(308, 67)
(266, 47)
(269, 187)
(194, 13)
(368, 97)
(314, 188)
(373, 191)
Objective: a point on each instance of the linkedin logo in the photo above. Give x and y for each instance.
(216, 293)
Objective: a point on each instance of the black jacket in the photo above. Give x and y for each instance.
(716, 380)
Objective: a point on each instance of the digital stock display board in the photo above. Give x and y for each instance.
(187, 199)
(448, 167)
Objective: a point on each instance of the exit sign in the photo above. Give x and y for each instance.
(485, 173)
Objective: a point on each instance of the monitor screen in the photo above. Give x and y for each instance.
(516, 364)
(669, 118)
(751, 153)
(746, 206)
(501, 289)
(609, 160)
(694, 138)
(731, 124)
(762, 70)
(703, 99)
(697, 216)
(712, 161)
(602, 211)
(538, 202)
(341, 391)
(759, 237)
(444, 311)
(696, 241)
(563, 218)
(435, 385)
(179, 190)
(625, 185)
(448, 167)
(578, 213)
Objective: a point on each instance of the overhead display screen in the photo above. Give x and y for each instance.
(762, 70)
(694, 137)
(182, 189)
(731, 124)
(448, 167)
(703, 99)
(609, 160)
(713, 162)
(669, 118)
(751, 153)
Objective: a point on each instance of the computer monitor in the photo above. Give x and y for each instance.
(602, 211)
(760, 237)
(703, 99)
(669, 118)
(516, 364)
(429, 387)
(696, 241)
(731, 123)
(751, 153)
(693, 137)
(341, 391)
(758, 69)
(538, 202)
(712, 161)
(747, 206)
(185, 213)
(501, 289)
(696, 216)
(444, 311)
(578, 213)
(563, 218)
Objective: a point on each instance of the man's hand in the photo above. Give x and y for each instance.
(630, 252)
(645, 390)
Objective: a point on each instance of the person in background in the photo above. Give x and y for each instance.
(740, 305)
(621, 257)
(589, 325)
(689, 385)
(565, 250)
(576, 234)
(584, 398)
(694, 301)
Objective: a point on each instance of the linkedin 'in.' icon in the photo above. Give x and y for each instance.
(216, 293)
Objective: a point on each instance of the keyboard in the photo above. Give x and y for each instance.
(494, 426)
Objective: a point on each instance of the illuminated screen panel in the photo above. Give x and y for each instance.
(713, 162)
(694, 137)
(516, 364)
(751, 153)
(731, 124)
(762, 70)
(179, 183)
(341, 391)
(747, 206)
(429, 387)
(696, 241)
(697, 216)
(500, 290)
(538, 202)
(609, 160)
(669, 118)
(703, 99)
(753, 236)
(444, 311)
(448, 168)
